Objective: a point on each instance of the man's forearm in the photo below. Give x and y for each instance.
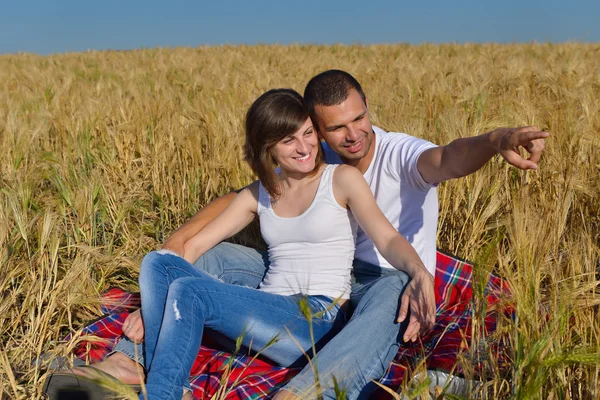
(465, 156)
(197, 222)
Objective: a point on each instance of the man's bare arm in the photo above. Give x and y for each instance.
(464, 156)
(186, 231)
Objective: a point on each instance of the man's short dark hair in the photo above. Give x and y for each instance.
(330, 88)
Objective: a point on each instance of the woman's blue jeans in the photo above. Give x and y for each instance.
(357, 356)
(180, 301)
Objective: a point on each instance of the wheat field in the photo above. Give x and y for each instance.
(104, 154)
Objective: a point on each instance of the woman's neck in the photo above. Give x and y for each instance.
(295, 180)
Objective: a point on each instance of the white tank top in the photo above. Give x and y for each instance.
(312, 253)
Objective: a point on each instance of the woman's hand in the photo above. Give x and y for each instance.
(133, 327)
(419, 297)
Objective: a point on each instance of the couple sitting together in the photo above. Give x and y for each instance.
(351, 232)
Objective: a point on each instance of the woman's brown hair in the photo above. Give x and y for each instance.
(273, 116)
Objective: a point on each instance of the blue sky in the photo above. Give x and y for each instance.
(46, 26)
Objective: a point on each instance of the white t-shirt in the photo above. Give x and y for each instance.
(408, 202)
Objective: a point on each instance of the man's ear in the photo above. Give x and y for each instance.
(367, 102)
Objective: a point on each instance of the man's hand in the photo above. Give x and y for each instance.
(508, 140)
(419, 297)
(133, 327)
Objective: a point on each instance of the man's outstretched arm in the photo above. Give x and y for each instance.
(206, 214)
(466, 155)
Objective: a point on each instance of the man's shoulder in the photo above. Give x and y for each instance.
(399, 141)
(400, 154)
(391, 136)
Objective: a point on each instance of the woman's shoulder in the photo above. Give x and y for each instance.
(252, 191)
(253, 188)
(345, 178)
(345, 172)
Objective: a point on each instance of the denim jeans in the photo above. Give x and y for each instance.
(361, 352)
(365, 348)
(227, 262)
(179, 302)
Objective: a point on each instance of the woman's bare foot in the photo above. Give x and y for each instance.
(117, 365)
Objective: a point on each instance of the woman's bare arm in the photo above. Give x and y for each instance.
(351, 189)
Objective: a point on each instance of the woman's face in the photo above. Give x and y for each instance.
(297, 152)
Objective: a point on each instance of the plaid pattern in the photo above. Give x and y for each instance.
(451, 334)
(244, 378)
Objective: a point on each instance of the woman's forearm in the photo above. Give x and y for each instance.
(402, 256)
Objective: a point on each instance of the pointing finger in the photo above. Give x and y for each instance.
(524, 138)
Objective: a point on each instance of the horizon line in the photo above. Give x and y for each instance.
(266, 44)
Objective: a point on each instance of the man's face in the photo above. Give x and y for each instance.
(346, 128)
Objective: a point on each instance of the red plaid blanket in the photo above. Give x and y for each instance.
(252, 379)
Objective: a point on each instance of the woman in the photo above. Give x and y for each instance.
(306, 223)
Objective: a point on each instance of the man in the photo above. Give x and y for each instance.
(403, 173)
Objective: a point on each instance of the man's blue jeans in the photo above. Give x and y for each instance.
(360, 353)
(179, 302)
(366, 346)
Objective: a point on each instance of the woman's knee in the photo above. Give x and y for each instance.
(156, 265)
(185, 286)
(149, 266)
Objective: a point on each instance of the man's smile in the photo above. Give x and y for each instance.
(355, 147)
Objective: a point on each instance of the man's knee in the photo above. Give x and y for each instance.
(212, 261)
(235, 264)
(383, 296)
(393, 282)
